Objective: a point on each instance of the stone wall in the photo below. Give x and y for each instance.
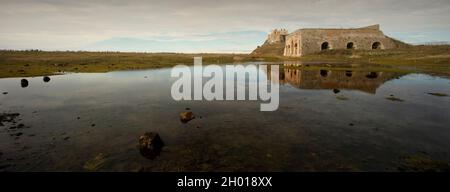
(307, 41)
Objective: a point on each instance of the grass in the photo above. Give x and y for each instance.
(424, 59)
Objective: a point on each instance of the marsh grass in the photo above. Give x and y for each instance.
(433, 60)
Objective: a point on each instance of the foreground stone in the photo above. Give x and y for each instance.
(150, 145)
(24, 83)
(186, 116)
(46, 79)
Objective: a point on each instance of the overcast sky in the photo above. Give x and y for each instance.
(204, 25)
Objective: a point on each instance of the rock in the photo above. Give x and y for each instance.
(186, 116)
(150, 145)
(24, 83)
(336, 91)
(46, 79)
(66, 138)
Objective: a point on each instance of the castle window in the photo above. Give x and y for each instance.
(350, 45)
(376, 45)
(325, 46)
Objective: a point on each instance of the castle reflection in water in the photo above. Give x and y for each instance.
(366, 81)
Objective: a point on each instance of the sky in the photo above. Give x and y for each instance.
(231, 26)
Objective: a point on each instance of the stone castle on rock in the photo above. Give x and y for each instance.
(308, 41)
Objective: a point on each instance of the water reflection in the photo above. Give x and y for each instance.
(312, 129)
(334, 79)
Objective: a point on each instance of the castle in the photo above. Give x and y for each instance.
(308, 41)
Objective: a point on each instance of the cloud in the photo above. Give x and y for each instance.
(60, 25)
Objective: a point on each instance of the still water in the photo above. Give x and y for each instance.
(327, 120)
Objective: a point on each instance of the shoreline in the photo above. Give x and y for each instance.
(433, 60)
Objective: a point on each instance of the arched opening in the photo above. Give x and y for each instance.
(296, 48)
(372, 75)
(325, 46)
(350, 45)
(323, 73)
(376, 45)
(292, 47)
(348, 73)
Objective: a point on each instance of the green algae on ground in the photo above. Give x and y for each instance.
(438, 94)
(392, 98)
(95, 163)
(41, 63)
(423, 163)
(341, 97)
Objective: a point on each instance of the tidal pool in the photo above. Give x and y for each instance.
(327, 120)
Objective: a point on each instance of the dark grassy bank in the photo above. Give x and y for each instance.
(36, 63)
(425, 59)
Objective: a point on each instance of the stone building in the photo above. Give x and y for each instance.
(306, 41)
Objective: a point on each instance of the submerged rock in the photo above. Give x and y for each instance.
(186, 116)
(24, 83)
(341, 97)
(46, 79)
(392, 98)
(438, 94)
(150, 145)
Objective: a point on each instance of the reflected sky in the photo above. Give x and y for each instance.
(74, 117)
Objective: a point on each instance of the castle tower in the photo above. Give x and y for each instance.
(277, 36)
